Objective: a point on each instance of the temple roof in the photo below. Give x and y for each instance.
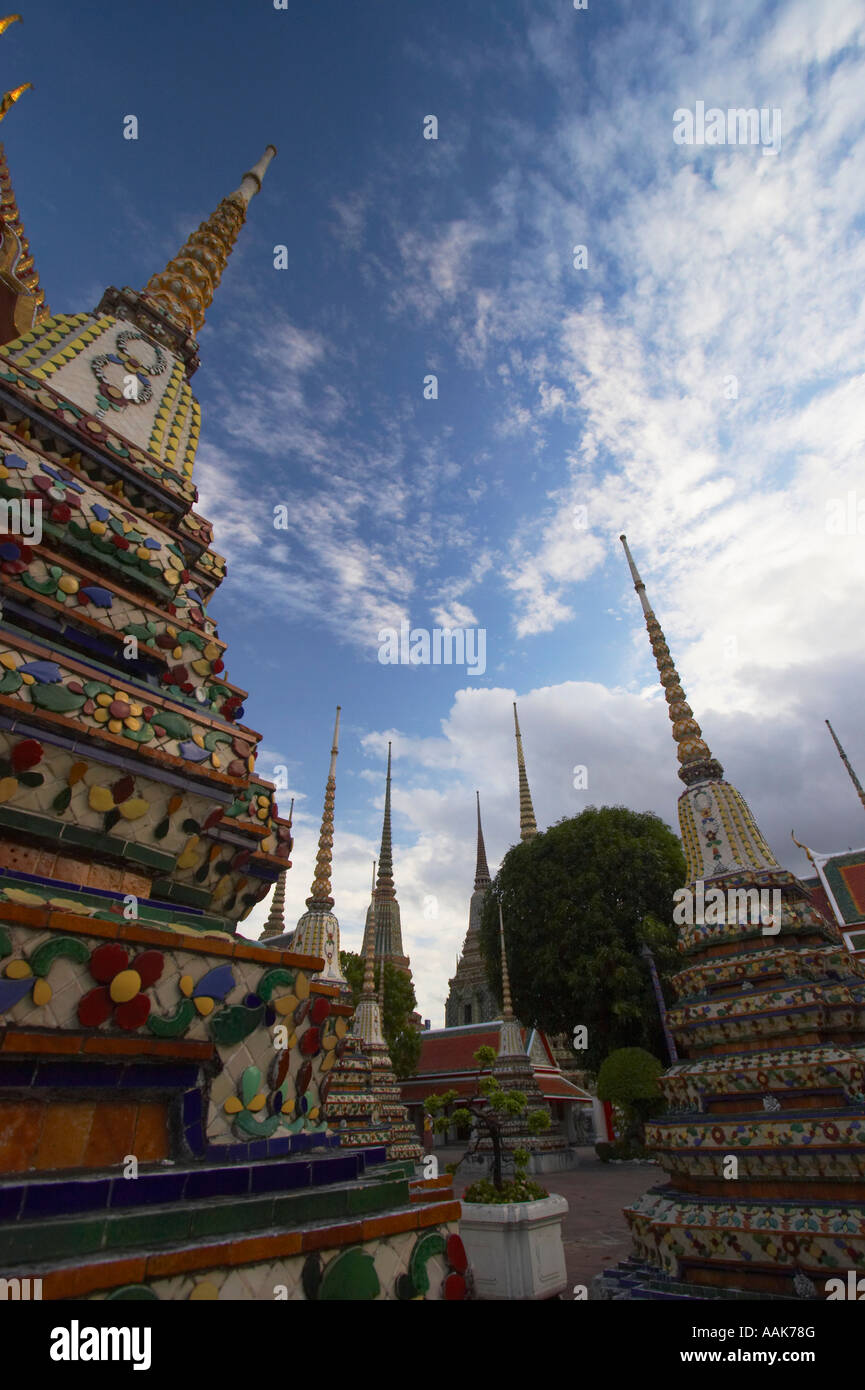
(447, 1063)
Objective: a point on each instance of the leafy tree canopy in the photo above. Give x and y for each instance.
(629, 1074)
(402, 1038)
(579, 901)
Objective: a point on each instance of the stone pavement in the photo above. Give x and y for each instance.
(594, 1232)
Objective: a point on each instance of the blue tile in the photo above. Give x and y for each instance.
(325, 1170)
(161, 1077)
(16, 1073)
(63, 1198)
(258, 1149)
(194, 1138)
(191, 1107)
(10, 1202)
(280, 1177)
(77, 1074)
(217, 1182)
(375, 1155)
(145, 1191)
(277, 1148)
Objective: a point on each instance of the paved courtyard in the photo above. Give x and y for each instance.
(594, 1232)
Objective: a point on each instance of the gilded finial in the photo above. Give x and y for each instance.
(184, 289)
(697, 763)
(320, 893)
(804, 847)
(528, 824)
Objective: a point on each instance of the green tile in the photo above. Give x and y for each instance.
(225, 1217)
(298, 1208)
(51, 1240)
(147, 1228)
(379, 1196)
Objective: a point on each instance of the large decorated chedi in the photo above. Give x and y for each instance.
(163, 1080)
(764, 1139)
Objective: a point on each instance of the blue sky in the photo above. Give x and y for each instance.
(606, 388)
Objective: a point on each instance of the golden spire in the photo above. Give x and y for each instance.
(528, 824)
(320, 893)
(697, 763)
(275, 924)
(184, 289)
(846, 761)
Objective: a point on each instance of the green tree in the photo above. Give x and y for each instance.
(579, 901)
(629, 1078)
(402, 1037)
(492, 1108)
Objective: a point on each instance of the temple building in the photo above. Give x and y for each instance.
(769, 1024)
(383, 915)
(470, 999)
(136, 836)
(524, 1062)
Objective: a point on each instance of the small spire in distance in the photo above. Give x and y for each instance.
(510, 1042)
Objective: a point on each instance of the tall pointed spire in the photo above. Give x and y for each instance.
(320, 892)
(385, 858)
(528, 824)
(184, 289)
(482, 873)
(697, 763)
(388, 926)
(367, 1015)
(765, 994)
(510, 1043)
(470, 999)
(317, 932)
(846, 761)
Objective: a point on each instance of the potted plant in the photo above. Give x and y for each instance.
(512, 1229)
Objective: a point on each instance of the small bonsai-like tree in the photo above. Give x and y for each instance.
(491, 1112)
(629, 1078)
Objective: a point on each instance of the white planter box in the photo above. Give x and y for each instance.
(515, 1250)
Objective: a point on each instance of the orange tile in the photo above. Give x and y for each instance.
(439, 1214)
(138, 884)
(256, 1248)
(65, 1134)
(151, 1132)
(324, 1237)
(112, 1134)
(260, 953)
(179, 1261)
(150, 936)
(390, 1225)
(84, 1279)
(20, 1129)
(27, 916)
(16, 1041)
(82, 926)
